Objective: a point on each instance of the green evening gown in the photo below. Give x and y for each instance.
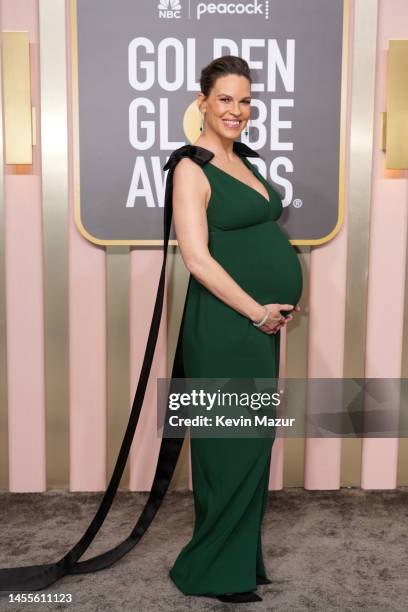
(230, 475)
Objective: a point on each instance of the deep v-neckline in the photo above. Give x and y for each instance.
(244, 161)
(242, 182)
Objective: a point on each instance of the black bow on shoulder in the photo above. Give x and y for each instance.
(201, 155)
(198, 154)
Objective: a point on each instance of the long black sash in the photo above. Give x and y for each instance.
(37, 577)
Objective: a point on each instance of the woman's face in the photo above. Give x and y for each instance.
(228, 106)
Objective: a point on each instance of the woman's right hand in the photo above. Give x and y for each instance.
(271, 325)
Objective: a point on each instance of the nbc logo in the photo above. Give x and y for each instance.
(169, 9)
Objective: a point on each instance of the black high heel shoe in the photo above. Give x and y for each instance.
(245, 597)
(262, 580)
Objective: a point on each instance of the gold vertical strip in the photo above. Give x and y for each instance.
(17, 98)
(55, 208)
(34, 124)
(402, 469)
(4, 485)
(296, 367)
(118, 405)
(358, 213)
(383, 130)
(396, 154)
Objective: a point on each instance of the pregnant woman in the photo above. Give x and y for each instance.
(245, 275)
(245, 279)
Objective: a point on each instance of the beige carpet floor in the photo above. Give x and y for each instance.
(324, 550)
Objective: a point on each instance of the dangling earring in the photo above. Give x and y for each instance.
(202, 122)
(246, 128)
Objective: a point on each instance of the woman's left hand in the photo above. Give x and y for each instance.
(285, 320)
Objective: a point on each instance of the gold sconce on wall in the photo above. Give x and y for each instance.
(394, 122)
(19, 133)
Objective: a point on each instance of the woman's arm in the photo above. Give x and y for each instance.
(191, 192)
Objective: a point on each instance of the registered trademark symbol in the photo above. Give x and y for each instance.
(297, 203)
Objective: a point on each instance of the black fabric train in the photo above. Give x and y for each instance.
(37, 577)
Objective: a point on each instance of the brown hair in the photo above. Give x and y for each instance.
(222, 66)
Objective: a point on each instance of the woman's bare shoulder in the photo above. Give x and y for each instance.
(186, 167)
(189, 176)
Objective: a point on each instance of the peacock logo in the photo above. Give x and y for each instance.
(247, 9)
(169, 9)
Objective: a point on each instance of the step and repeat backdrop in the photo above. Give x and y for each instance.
(136, 76)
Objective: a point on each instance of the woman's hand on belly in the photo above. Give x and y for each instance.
(283, 320)
(274, 316)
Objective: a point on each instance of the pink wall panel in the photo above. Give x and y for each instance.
(87, 359)
(326, 349)
(145, 273)
(25, 333)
